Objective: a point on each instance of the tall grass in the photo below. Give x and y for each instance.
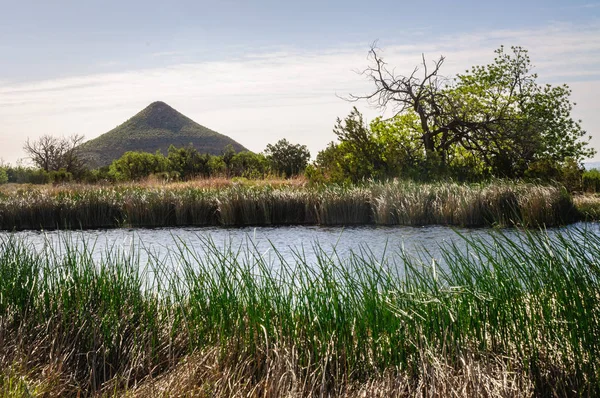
(524, 313)
(391, 203)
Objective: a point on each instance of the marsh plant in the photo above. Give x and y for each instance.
(503, 316)
(391, 203)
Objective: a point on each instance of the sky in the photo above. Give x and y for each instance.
(263, 70)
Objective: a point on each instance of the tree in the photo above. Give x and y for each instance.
(497, 112)
(3, 176)
(227, 155)
(382, 149)
(187, 162)
(137, 165)
(286, 158)
(249, 165)
(53, 154)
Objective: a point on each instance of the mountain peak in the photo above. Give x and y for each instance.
(154, 128)
(157, 104)
(159, 115)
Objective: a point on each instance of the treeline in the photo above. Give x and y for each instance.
(281, 159)
(392, 148)
(343, 162)
(493, 121)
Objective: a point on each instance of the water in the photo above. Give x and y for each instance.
(290, 242)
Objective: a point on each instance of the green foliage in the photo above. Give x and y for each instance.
(526, 301)
(567, 172)
(359, 155)
(287, 159)
(3, 176)
(60, 176)
(249, 165)
(187, 162)
(217, 166)
(227, 156)
(133, 166)
(27, 175)
(494, 119)
(591, 181)
(398, 144)
(388, 149)
(518, 120)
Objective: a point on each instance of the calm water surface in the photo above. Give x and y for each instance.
(290, 242)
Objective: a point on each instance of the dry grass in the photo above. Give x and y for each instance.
(205, 375)
(282, 202)
(588, 206)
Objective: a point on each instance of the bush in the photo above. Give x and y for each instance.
(568, 173)
(3, 176)
(61, 176)
(27, 175)
(591, 181)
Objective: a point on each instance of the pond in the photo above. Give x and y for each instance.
(272, 243)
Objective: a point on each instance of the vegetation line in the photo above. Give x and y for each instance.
(191, 204)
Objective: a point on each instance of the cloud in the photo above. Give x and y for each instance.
(279, 93)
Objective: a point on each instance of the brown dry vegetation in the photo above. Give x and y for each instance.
(283, 202)
(588, 205)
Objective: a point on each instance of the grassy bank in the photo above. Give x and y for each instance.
(201, 204)
(505, 318)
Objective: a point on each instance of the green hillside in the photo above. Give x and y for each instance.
(154, 128)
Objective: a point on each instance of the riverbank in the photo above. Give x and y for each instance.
(507, 317)
(239, 204)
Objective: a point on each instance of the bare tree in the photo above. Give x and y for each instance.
(423, 95)
(52, 153)
(480, 111)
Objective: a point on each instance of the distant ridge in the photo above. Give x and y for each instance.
(156, 127)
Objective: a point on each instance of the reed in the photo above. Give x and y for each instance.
(522, 313)
(194, 204)
(588, 206)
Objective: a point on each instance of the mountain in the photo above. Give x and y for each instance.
(156, 127)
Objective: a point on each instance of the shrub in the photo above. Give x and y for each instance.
(61, 176)
(3, 176)
(591, 180)
(568, 173)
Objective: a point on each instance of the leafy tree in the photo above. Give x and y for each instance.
(496, 113)
(328, 166)
(137, 165)
(228, 154)
(387, 148)
(27, 175)
(3, 176)
(249, 165)
(568, 172)
(52, 153)
(217, 166)
(286, 158)
(361, 153)
(187, 162)
(591, 181)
